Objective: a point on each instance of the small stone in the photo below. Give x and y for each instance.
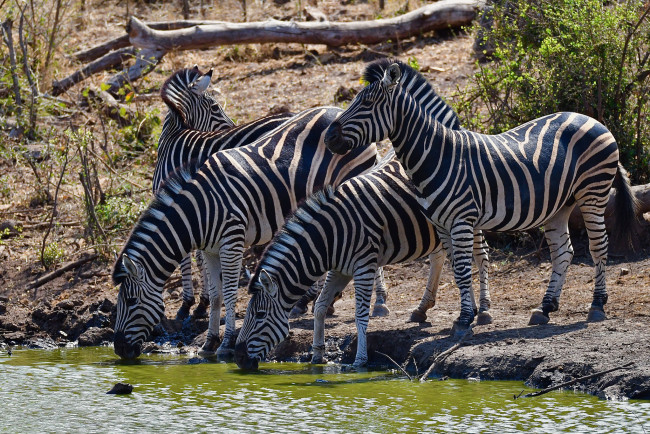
(624, 272)
(121, 389)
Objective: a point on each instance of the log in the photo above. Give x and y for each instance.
(108, 61)
(145, 61)
(441, 15)
(123, 41)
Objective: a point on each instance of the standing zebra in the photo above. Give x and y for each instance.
(529, 176)
(368, 222)
(238, 198)
(195, 128)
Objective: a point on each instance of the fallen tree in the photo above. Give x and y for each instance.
(441, 15)
(154, 40)
(641, 194)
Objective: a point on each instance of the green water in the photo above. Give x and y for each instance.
(65, 391)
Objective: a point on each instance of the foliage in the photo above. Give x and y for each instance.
(52, 254)
(119, 213)
(585, 56)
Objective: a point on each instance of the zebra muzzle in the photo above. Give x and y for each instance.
(334, 139)
(243, 360)
(125, 349)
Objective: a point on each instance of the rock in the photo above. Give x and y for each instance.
(41, 344)
(106, 306)
(624, 272)
(314, 14)
(3, 304)
(120, 389)
(95, 336)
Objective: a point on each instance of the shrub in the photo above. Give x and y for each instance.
(586, 56)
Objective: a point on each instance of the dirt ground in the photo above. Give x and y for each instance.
(256, 79)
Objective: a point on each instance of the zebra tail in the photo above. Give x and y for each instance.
(626, 209)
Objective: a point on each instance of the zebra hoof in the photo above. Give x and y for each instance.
(209, 348)
(297, 312)
(317, 360)
(459, 329)
(538, 317)
(359, 363)
(183, 312)
(418, 316)
(225, 353)
(380, 310)
(330, 310)
(596, 315)
(484, 318)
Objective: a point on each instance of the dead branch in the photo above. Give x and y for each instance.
(440, 15)
(396, 364)
(56, 202)
(123, 41)
(56, 273)
(572, 382)
(145, 61)
(444, 354)
(109, 61)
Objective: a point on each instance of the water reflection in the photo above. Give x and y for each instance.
(64, 390)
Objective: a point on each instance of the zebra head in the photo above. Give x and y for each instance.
(266, 323)
(139, 307)
(185, 93)
(369, 118)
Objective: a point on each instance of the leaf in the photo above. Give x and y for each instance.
(105, 86)
(129, 97)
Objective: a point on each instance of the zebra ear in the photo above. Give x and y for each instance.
(268, 285)
(201, 84)
(391, 76)
(129, 266)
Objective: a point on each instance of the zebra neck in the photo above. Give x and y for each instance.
(417, 135)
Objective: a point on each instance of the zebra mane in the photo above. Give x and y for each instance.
(176, 90)
(304, 213)
(411, 79)
(163, 198)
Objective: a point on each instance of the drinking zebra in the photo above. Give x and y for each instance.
(529, 176)
(195, 128)
(368, 222)
(238, 198)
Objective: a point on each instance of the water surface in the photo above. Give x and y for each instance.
(64, 390)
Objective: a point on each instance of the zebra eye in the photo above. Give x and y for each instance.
(131, 301)
(260, 314)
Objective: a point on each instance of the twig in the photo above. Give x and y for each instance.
(56, 273)
(574, 381)
(444, 354)
(30, 78)
(396, 364)
(8, 38)
(42, 225)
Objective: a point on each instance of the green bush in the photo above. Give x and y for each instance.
(586, 56)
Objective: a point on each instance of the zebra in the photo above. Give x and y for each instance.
(529, 176)
(369, 221)
(194, 129)
(238, 197)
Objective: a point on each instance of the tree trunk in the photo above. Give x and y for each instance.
(440, 15)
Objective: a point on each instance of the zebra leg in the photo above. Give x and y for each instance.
(363, 283)
(212, 263)
(436, 261)
(334, 284)
(231, 263)
(556, 231)
(593, 214)
(482, 261)
(188, 290)
(300, 308)
(462, 241)
(381, 295)
(204, 300)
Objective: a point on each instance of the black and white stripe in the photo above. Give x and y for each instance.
(238, 198)
(195, 128)
(529, 176)
(368, 222)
